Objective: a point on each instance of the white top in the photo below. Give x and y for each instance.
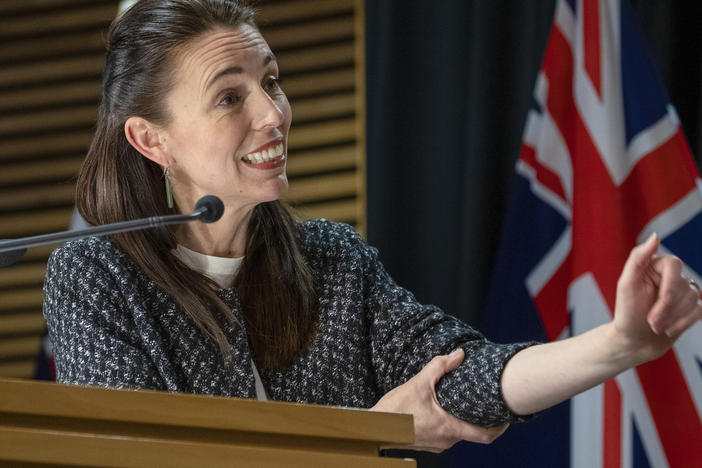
(222, 270)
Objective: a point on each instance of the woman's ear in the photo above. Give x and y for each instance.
(146, 139)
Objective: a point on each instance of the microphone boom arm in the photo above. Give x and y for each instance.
(207, 210)
(114, 228)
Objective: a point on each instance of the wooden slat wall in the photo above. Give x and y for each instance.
(51, 55)
(319, 46)
(51, 59)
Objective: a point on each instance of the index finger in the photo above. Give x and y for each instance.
(670, 269)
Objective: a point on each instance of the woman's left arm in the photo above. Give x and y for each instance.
(655, 305)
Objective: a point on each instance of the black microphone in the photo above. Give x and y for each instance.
(208, 209)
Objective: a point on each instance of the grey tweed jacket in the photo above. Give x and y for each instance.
(111, 326)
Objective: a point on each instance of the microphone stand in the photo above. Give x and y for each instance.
(124, 226)
(208, 209)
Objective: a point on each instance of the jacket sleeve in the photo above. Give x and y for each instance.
(94, 340)
(406, 335)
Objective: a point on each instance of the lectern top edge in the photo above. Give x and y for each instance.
(202, 411)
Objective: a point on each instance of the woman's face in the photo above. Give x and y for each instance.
(229, 121)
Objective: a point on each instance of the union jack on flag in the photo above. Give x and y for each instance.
(603, 164)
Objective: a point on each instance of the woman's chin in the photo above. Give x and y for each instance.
(273, 190)
(279, 188)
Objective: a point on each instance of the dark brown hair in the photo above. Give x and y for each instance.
(275, 284)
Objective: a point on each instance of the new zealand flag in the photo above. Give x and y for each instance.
(603, 164)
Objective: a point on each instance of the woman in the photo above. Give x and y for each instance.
(191, 106)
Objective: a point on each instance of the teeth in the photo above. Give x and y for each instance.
(266, 155)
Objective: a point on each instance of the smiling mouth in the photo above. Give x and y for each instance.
(265, 155)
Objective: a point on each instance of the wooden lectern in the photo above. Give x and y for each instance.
(45, 423)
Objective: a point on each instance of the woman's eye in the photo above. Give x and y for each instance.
(229, 100)
(272, 84)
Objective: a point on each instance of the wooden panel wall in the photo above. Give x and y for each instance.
(51, 59)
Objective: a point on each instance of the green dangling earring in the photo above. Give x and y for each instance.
(169, 189)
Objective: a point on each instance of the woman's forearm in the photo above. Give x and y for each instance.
(654, 306)
(544, 375)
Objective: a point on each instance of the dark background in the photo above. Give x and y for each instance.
(449, 84)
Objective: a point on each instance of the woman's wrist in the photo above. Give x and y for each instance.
(623, 351)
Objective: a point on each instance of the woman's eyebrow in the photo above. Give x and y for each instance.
(235, 70)
(269, 58)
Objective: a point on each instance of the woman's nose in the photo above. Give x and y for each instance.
(267, 112)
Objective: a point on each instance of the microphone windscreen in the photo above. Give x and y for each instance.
(212, 208)
(11, 257)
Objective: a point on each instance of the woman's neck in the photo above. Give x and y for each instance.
(224, 238)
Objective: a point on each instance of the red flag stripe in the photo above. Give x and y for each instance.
(591, 46)
(612, 433)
